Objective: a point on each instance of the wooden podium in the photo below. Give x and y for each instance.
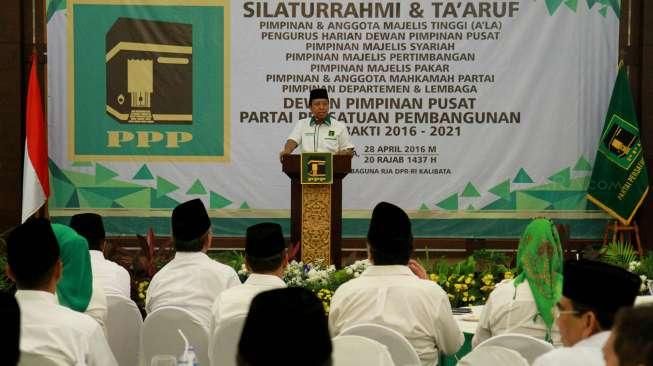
(316, 211)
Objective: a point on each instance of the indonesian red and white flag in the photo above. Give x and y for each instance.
(36, 184)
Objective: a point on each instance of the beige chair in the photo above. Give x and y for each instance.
(224, 341)
(351, 350)
(529, 347)
(402, 352)
(493, 356)
(123, 325)
(35, 359)
(160, 334)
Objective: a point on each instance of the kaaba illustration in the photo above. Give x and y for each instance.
(317, 168)
(149, 71)
(619, 141)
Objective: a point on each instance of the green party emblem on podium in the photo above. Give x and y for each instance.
(317, 168)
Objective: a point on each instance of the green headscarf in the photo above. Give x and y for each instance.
(539, 260)
(76, 283)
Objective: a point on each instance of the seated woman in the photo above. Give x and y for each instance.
(525, 304)
(75, 289)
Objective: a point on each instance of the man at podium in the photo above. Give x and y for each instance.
(320, 132)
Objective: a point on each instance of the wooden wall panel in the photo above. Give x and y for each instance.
(16, 44)
(645, 107)
(11, 102)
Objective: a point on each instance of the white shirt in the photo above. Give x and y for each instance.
(331, 136)
(191, 281)
(587, 352)
(394, 297)
(50, 329)
(235, 301)
(97, 305)
(112, 277)
(512, 310)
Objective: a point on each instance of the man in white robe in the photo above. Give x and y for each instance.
(592, 293)
(266, 259)
(320, 132)
(191, 280)
(395, 292)
(47, 328)
(112, 277)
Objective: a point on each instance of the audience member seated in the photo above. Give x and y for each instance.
(525, 304)
(113, 278)
(631, 339)
(191, 280)
(265, 259)
(592, 293)
(394, 291)
(47, 328)
(10, 330)
(285, 326)
(76, 289)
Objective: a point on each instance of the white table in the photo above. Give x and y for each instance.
(468, 327)
(464, 322)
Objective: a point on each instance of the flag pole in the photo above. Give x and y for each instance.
(42, 211)
(34, 23)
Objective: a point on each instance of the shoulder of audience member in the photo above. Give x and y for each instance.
(224, 267)
(117, 266)
(431, 286)
(80, 321)
(216, 268)
(506, 285)
(414, 283)
(123, 270)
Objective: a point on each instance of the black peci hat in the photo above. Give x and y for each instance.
(320, 93)
(32, 249)
(264, 240)
(190, 220)
(88, 225)
(599, 285)
(390, 228)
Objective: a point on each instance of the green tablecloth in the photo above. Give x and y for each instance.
(453, 359)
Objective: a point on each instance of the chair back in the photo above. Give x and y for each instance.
(402, 352)
(224, 341)
(351, 350)
(35, 359)
(529, 347)
(493, 356)
(123, 325)
(160, 335)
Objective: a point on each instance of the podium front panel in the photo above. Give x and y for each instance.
(316, 223)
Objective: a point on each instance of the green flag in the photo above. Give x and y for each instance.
(619, 181)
